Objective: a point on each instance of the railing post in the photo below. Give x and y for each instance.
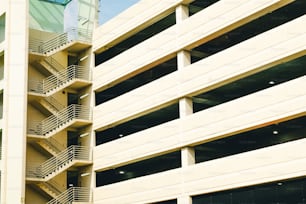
(74, 112)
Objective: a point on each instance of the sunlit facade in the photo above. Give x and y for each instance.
(169, 102)
(46, 91)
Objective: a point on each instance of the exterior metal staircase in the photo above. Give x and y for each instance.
(73, 195)
(48, 65)
(59, 121)
(60, 80)
(60, 41)
(51, 104)
(48, 105)
(40, 133)
(51, 145)
(59, 163)
(51, 188)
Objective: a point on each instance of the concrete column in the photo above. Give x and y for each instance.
(185, 104)
(187, 156)
(186, 108)
(183, 59)
(184, 200)
(15, 103)
(92, 135)
(181, 13)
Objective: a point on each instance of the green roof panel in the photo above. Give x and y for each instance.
(61, 2)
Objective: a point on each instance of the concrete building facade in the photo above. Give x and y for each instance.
(169, 102)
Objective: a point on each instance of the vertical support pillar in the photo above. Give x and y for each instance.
(186, 108)
(188, 156)
(185, 104)
(181, 13)
(92, 135)
(184, 200)
(15, 103)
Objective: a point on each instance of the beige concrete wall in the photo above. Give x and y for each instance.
(268, 164)
(277, 45)
(197, 29)
(34, 115)
(32, 197)
(34, 156)
(62, 58)
(34, 74)
(37, 34)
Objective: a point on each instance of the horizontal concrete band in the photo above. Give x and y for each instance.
(244, 59)
(199, 28)
(126, 22)
(263, 107)
(268, 164)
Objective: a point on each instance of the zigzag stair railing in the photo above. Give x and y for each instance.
(53, 122)
(73, 194)
(73, 34)
(59, 79)
(54, 64)
(57, 163)
(53, 144)
(53, 186)
(59, 40)
(53, 103)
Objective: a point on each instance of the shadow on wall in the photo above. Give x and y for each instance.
(46, 16)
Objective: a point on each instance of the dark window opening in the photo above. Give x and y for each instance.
(199, 5)
(167, 202)
(148, 32)
(251, 29)
(141, 123)
(73, 99)
(137, 81)
(262, 80)
(281, 192)
(142, 168)
(72, 179)
(73, 138)
(255, 139)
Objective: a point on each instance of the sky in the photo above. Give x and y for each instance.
(110, 8)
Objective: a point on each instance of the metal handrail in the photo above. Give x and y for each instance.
(59, 79)
(34, 45)
(53, 122)
(73, 194)
(58, 162)
(35, 86)
(73, 34)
